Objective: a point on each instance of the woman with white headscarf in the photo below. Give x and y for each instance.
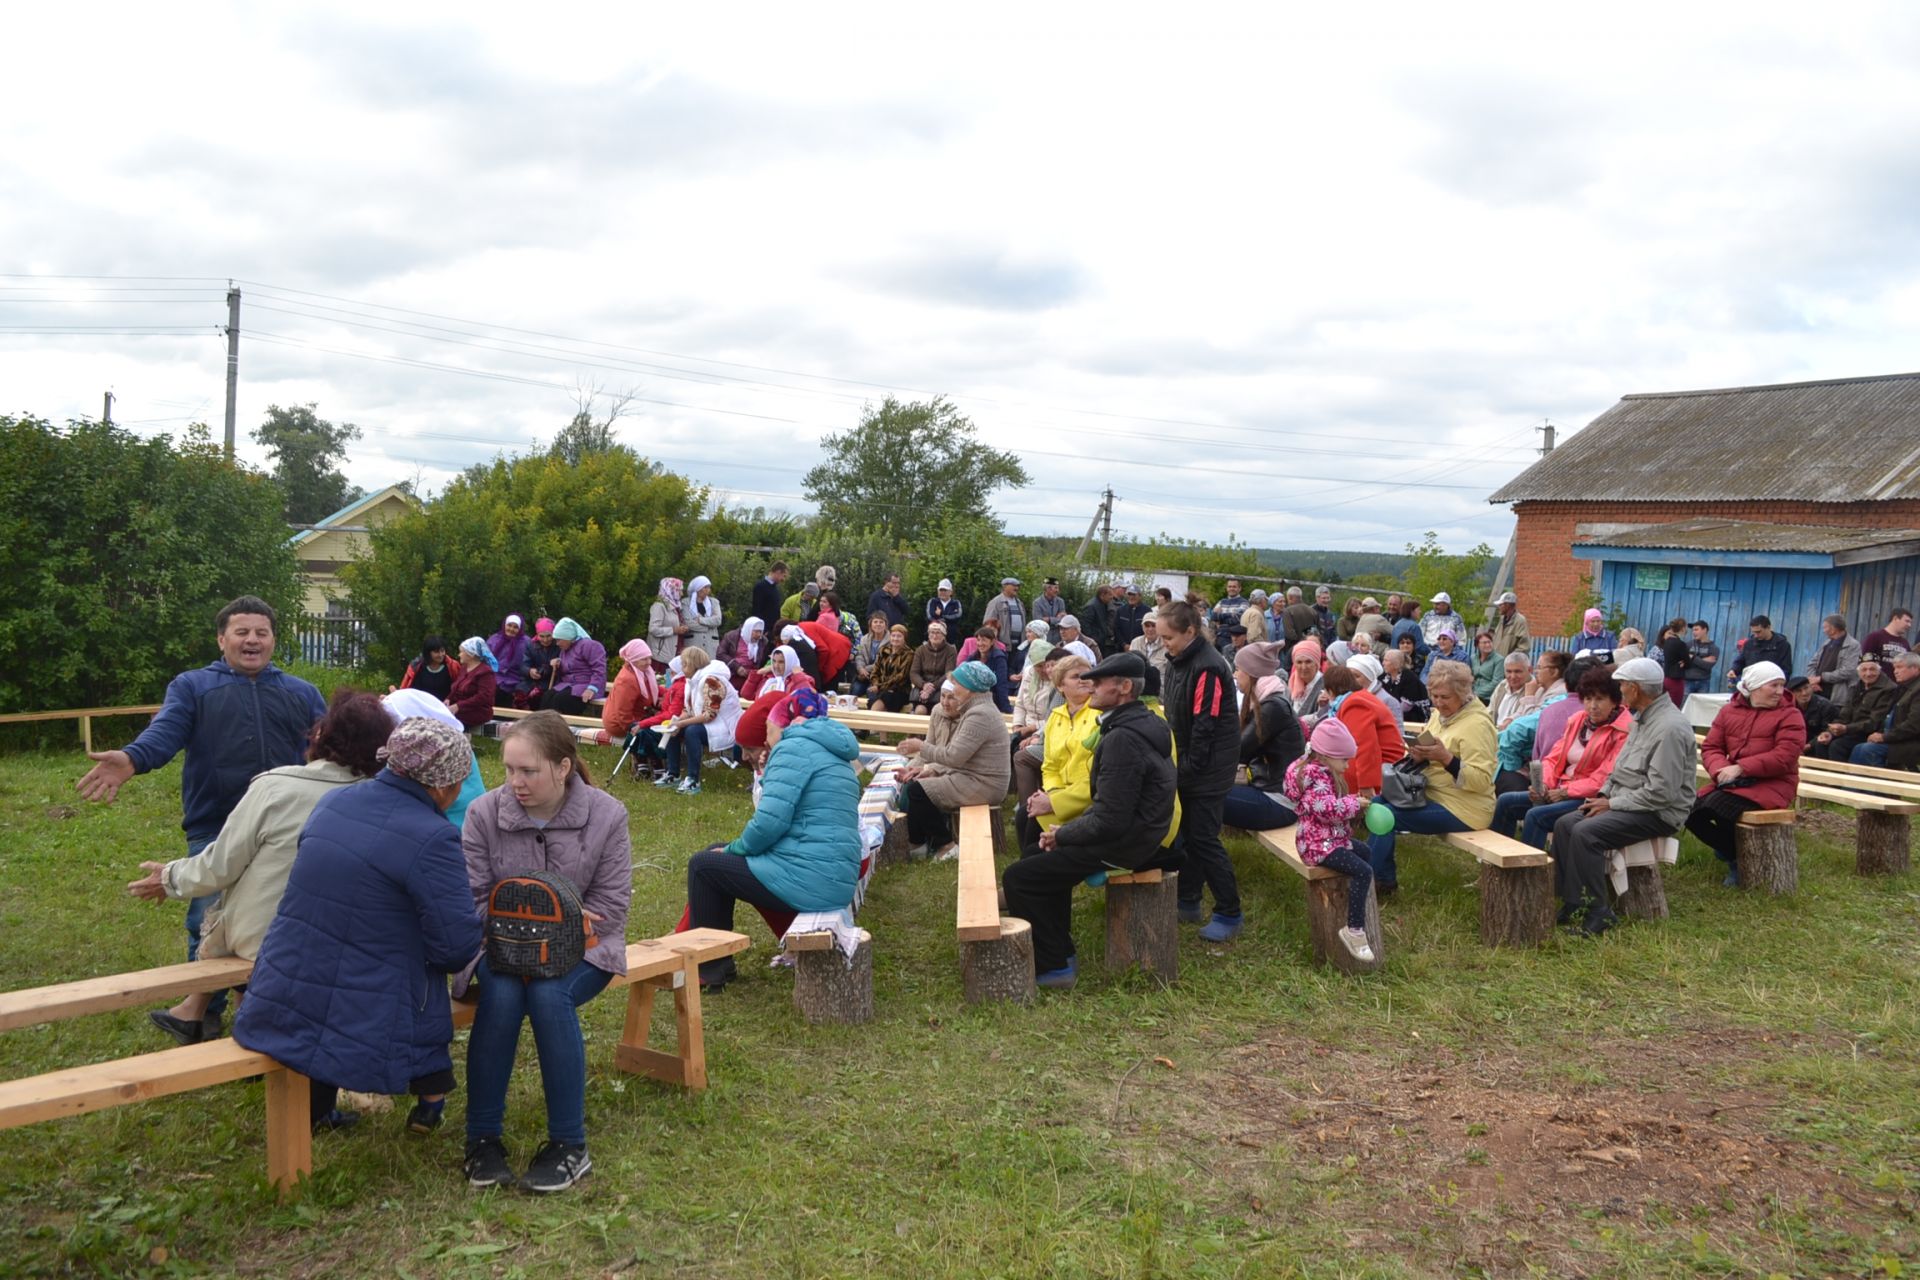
(804, 647)
(702, 612)
(410, 704)
(1368, 668)
(744, 650)
(667, 627)
(1752, 758)
(782, 664)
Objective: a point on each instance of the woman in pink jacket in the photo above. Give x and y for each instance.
(1752, 758)
(1575, 767)
(548, 817)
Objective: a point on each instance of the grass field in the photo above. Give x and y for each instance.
(1734, 1092)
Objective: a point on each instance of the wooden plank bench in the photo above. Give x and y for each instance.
(996, 952)
(1327, 905)
(668, 963)
(119, 991)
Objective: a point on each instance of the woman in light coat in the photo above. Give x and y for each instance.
(667, 627)
(962, 761)
(702, 613)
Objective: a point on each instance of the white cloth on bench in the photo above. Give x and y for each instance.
(846, 934)
(1644, 854)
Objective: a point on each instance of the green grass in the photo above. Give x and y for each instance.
(943, 1140)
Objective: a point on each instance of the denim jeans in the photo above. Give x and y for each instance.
(1874, 753)
(552, 1006)
(197, 909)
(1540, 820)
(1430, 819)
(691, 739)
(1251, 809)
(1697, 686)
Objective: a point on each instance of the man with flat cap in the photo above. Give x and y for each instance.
(1048, 606)
(1129, 823)
(1006, 612)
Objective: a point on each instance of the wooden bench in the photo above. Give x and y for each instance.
(1766, 851)
(1883, 829)
(668, 963)
(85, 715)
(1143, 922)
(1327, 905)
(996, 951)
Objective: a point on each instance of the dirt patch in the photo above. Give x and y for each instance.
(1493, 1155)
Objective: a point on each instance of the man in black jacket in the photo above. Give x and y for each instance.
(768, 596)
(1204, 714)
(1129, 820)
(1763, 644)
(1096, 620)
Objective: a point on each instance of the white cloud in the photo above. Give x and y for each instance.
(1286, 275)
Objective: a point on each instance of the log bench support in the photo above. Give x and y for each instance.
(1000, 968)
(1516, 888)
(1143, 923)
(1767, 851)
(1646, 895)
(1326, 891)
(1883, 844)
(828, 986)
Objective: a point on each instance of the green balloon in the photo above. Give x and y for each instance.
(1379, 819)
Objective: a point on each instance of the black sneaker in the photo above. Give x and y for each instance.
(426, 1116)
(336, 1121)
(486, 1164)
(556, 1166)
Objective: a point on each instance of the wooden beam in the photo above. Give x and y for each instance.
(28, 717)
(119, 991)
(78, 1090)
(977, 909)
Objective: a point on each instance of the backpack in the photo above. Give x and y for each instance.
(535, 928)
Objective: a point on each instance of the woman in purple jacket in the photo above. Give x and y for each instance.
(548, 817)
(582, 676)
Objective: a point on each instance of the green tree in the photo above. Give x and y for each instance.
(906, 467)
(1463, 577)
(119, 551)
(529, 535)
(976, 555)
(306, 449)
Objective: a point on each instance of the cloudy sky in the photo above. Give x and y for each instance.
(1308, 279)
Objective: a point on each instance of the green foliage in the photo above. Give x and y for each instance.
(1464, 577)
(119, 551)
(1588, 597)
(906, 467)
(582, 438)
(305, 449)
(976, 555)
(1373, 568)
(533, 536)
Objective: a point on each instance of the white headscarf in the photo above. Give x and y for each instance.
(1369, 667)
(791, 633)
(708, 609)
(410, 704)
(779, 682)
(1758, 674)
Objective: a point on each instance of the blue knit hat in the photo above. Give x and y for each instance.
(975, 676)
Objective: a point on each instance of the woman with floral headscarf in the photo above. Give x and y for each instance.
(667, 627)
(702, 611)
(471, 698)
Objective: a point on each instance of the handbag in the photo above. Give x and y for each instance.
(1404, 787)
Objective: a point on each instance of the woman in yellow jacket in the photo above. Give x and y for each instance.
(1461, 760)
(1066, 765)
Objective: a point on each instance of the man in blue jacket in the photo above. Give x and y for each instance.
(236, 718)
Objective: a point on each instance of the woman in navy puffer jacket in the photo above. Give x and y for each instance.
(801, 851)
(350, 985)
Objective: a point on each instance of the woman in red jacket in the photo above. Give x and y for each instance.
(474, 684)
(1374, 730)
(1574, 768)
(1752, 757)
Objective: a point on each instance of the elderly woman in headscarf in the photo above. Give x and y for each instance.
(1752, 758)
(892, 679)
(472, 697)
(783, 664)
(649, 746)
(1303, 680)
(963, 760)
(509, 648)
(667, 625)
(805, 648)
(707, 723)
(543, 665)
(1372, 674)
(1372, 720)
(932, 663)
(350, 984)
(408, 704)
(703, 616)
(635, 692)
(582, 675)
(744, 651)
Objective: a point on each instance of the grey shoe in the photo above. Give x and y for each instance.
(555, 1167)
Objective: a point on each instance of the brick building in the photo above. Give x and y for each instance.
(1841, 454)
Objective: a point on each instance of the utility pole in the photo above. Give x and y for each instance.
(1106, 525)
(1546, 430)
(106, 409)
(233, 361)
(1503, 577)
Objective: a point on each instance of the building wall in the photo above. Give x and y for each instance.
(328, 547)
(1549, 580)
(1726, 598)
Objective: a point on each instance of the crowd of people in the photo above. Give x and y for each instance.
(349, 848)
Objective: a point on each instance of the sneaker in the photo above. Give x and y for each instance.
(1355, 941)
(1195, 914)
(426, 1116)
(664, 780)
(687, 787)
(1221, 928)
(947, 853)
(336, 1120)
(917, 852)
(486, 1163)
(556, 1166)
(1095, 880)
(1733, 878)
(1061, 979)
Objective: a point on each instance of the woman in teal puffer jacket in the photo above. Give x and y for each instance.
(801, 851)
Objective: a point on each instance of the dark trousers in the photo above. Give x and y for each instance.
(567, 704)
(1040, 891)
(1715, 817)
(1206, 862)
(1580, 847)
(323, 1098)
(1841, 748)
(1349, 862)
(716, 880)
(1026, 781)
(891, 699)
(927, 822)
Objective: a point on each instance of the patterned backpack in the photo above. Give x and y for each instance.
(535, 928)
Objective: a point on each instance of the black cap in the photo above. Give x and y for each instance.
(1128, 664)
(1798, 682)
(1051, 582)
(1700, 622)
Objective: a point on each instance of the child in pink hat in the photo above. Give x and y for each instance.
(1316, 787)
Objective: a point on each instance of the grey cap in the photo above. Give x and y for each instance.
(1067, 620)
(1507, 597)
(1009, 582)
(1639, 671)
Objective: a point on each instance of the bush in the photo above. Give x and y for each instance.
(120, 551)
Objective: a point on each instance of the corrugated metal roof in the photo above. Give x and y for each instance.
(1848, 440)
(1746, 535)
